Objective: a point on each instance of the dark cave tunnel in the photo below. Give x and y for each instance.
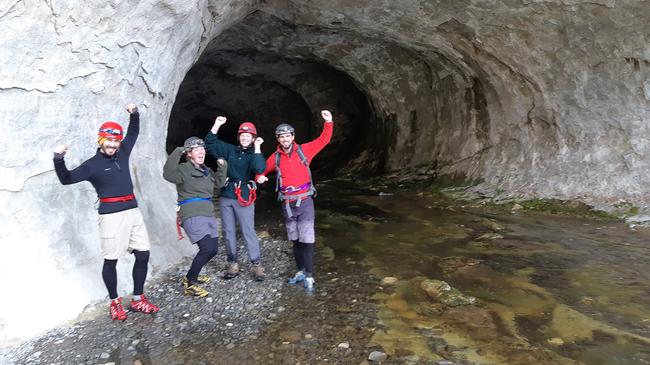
(213, 88)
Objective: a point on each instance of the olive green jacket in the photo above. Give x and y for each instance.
(192, 182)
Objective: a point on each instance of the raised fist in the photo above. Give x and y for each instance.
(61, 149)
(221, 161)
(326, 115)
(219, 121)
(131, 108)
(258, 141)
(262, 179)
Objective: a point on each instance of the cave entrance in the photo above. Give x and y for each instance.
(235, 78)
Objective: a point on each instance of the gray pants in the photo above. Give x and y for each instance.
(231, 213)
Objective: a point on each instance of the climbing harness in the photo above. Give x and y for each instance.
(252, 193)
(178, 215)
(284, 190)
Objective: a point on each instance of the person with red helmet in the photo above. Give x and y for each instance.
(121, 227)
(295, 190)
(237, 202)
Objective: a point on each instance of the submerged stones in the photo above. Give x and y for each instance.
(441, 292)
(377, 356)
(454, 263)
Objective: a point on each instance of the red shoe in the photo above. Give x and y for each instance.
(143, 305)
(117, 310)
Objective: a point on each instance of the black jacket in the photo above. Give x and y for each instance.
(243, 164)
(109, 175)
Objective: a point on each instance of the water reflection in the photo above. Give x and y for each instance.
(551, 289)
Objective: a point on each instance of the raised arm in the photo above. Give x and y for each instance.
(258, 164)
(213, 145)
(315, 146)
(171, 171)
(133, 130)
(67, 177)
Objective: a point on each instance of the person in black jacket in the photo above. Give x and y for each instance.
(237, 202)
(121, 227)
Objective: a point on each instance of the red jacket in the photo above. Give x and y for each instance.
(294, 172)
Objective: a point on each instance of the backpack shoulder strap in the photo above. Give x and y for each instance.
(303, 158)
(278, 174)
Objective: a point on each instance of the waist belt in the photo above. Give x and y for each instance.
(293, 189)
(114, 199)
(178, 216)
(297, 198)
(192, 200)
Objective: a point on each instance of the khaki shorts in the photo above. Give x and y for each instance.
(122, 232)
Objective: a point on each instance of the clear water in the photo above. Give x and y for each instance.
(551, 289)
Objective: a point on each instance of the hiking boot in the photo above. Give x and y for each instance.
(196, 290)
(233, 270)
(258, 272)
(202, 279)
(297, 278)
(309, 284)
(143, 305)
(117, 310)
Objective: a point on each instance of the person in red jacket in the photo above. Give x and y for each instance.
(295, 189)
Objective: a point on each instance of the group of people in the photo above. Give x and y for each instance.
(239, 169)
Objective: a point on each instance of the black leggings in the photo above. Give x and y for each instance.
(297, 254)
(303, 253)
(109, 274)
(140, 271)
(208, 247)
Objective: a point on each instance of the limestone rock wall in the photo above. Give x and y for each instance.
(67, 67)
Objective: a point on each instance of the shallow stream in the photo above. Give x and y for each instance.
(549, 289)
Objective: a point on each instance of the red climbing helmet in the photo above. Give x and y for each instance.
(247, 127)
(111, 130)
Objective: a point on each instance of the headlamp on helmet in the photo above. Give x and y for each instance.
(193, 142)
(283, 129)
(111, 130)
(247, 127)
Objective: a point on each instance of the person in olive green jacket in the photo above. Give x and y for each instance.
(195, 184)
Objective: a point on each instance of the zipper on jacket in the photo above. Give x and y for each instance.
(115, 161)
